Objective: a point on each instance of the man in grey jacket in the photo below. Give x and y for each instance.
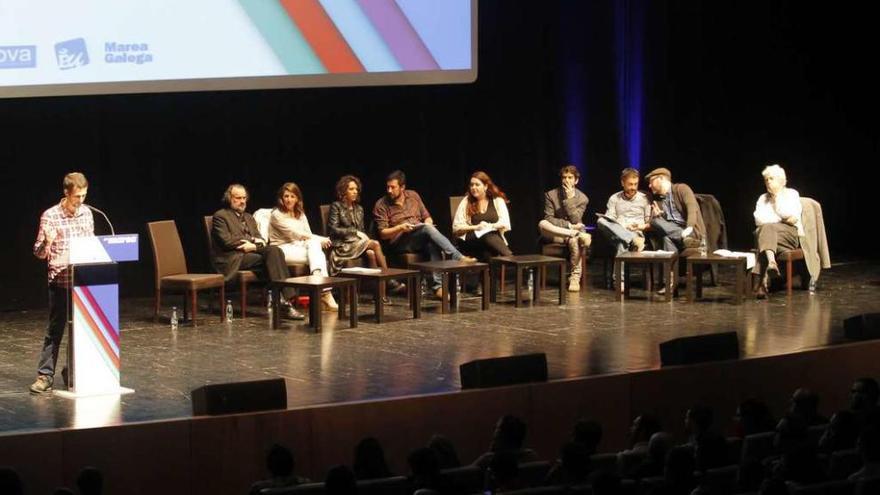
(564, 209)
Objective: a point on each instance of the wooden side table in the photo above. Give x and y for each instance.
(522, 262)
(668, 262)
(315, 285)
(413, 287)
(450, 270)
(695, 277)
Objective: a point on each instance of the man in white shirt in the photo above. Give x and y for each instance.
(778, 222)
(627, 214)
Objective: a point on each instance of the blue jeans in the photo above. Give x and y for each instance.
(619, 235)
(669, 233)
(429, 241)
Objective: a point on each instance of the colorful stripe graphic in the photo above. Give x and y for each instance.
(101, 331)
(282, 35)
(355, 36)
(444, 27)
(361, 36)
(399, 35)
(322, 35)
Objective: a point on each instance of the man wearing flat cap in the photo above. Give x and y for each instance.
(676, 221)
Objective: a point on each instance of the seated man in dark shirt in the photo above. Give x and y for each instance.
(237, 245)
(405, 224)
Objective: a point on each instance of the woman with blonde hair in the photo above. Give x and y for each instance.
(289, 230)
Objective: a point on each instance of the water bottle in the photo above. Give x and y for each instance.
(703, 249)
(174, 318)
(457, 292)
(228, 310)
(270, 310)
(531, 285)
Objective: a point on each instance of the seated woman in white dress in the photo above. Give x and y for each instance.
(289, 230)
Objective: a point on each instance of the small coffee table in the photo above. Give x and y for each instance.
(695, 280)
(522, 262)
(413, 287)
(668, 261)
(450, 270)
(315, 285)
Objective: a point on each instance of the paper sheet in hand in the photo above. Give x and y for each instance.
(606, 217)
(481, 232)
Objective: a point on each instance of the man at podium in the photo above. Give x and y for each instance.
(68, 219)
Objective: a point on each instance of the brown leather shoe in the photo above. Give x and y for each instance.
(773, 269)
(761, 291)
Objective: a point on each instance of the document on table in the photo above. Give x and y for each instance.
(360, 269)
(750, 257)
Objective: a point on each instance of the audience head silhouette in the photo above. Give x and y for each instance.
(587, 433)
(279, 461)
(510, 433)
(369, 460)
(90, 481)
(445, 452)
(340, 481)
(10, 482)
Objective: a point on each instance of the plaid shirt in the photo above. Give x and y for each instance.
(65, 226)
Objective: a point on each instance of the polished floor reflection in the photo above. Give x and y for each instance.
(593, 334)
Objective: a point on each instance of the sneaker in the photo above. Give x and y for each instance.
(637, 244)
(662, 291)
(574, 285)
(293, 314)
(396, 287)
(585, 239)
(42, 385)
(468, 259)
(690, 242)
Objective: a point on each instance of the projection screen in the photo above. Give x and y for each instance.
(78, 47)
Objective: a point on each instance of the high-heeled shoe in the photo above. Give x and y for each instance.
(328, 303)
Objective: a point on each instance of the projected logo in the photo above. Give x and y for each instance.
(18, 57)
(71, 54)
(355, 36)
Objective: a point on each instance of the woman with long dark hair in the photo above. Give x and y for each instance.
(482, 219)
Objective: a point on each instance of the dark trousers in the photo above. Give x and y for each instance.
(269, 263)
(776, 237)
(58, 317)
(483, 248)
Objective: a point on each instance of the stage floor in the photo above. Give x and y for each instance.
(592, 335)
